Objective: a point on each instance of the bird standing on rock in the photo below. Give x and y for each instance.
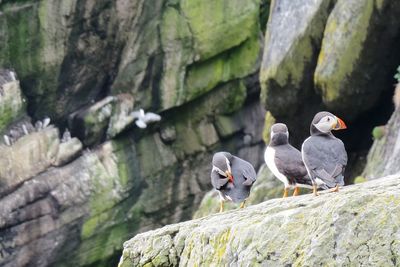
(324, 155)
(285, 161)
(232, 177)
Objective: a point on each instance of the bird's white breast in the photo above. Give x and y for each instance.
(269, 157)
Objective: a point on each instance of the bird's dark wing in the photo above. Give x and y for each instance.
(246, 169)
(289, 162)
(325, 159)
(250, 174)
(216, 180)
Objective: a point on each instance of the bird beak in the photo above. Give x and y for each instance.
(229, 175)
(340, 125)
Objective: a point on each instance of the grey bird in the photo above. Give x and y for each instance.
(232, 177)
(324, 155)
(142, 118)
(285, 161)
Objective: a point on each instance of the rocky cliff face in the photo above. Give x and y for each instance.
(87, 65)
(337, 55)
(357, 226)
(384, 156)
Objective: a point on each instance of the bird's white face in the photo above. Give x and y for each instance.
(326, 124)
(227, 173)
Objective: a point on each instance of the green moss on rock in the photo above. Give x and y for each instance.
(12, 104)
(345, 33)
(269, 121)
(220, 25)
(236, 63)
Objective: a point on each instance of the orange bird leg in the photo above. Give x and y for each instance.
(221, 206)
(315, 192)
(285, 192)
(242, 205)
(296, 191)
(336, 189)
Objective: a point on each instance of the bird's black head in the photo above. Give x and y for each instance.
(279, 134)
(324, 122)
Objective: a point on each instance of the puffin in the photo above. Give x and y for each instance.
(232, 177)
(323, 154)
(285, 161)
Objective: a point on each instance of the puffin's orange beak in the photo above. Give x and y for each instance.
(340, 125)
(230, 176)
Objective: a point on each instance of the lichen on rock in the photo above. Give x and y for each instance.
(358, 225)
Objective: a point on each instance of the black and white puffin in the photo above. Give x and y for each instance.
(285, 161)
(232, 177)
(324, 155)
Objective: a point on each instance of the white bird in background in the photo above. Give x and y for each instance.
(46, 122)
(12, 74)
(66, 136)
(142, 118)
(24, 129)
(7, 140)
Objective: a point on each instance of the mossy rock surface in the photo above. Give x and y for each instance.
(384, 155)
(347, 59)
(306, 230)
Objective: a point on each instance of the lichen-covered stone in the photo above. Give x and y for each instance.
(89, 65)
(121, 115)
(91, 124)
(226, 126)
(28, 156)
(269, 121)
(384, 155)
(68, 151)
(12, 102)
(357, 226)
(294, 30)
(346, 62)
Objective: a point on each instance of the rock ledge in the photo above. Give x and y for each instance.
(358, 226)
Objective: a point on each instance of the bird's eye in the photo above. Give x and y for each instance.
(329, 119)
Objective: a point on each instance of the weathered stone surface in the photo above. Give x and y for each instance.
(348, 70)
(330, 55)
(68, 151)
(384, 155)
(294, 33)
(159, 51)
(80, 213)
(12, 102)
(120, 118)
(357, 226)
(91, 124)
(28, 156)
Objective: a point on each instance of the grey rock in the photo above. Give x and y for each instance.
(68, 150)
(168, 134)
(357, 226)
(384, 155)
(66, 136)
